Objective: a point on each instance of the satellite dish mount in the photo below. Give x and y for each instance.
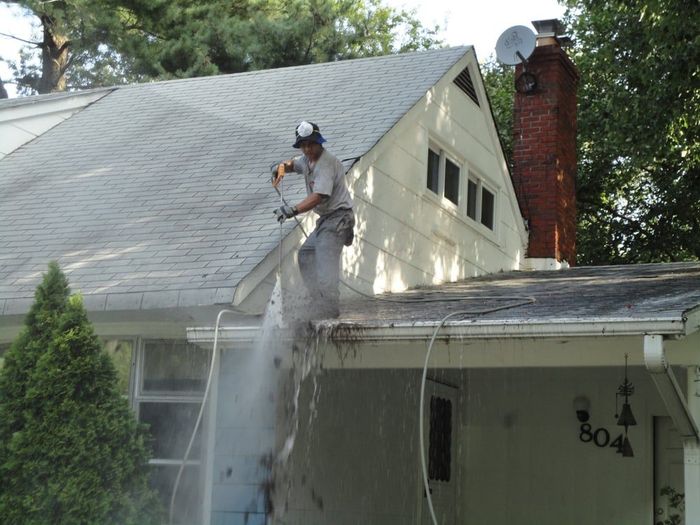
(514, 46)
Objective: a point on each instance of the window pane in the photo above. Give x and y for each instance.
(433, 170)
(487, 201)
(187, 499)
(452, 181)
(174, 367)
(171, 426)
(471, 199)
(121, 351)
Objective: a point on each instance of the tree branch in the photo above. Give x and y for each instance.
(37, 44)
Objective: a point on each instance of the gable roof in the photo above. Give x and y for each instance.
(157, 195)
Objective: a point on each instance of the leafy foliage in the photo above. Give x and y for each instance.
(21, 359)
(639, 129)
(638, 182)
(90, 43)
(499, 81)
(73, 452)
(676, 503)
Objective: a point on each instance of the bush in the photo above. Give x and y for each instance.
(75, 453)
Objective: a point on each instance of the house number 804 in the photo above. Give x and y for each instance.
(599, 436)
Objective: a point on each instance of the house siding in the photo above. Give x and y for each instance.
(408, 235)
(517, 456)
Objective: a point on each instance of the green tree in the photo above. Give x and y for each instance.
(639, 129)
(74, 45)
(90, 43)
(76, 454)
(499, 83)
(50, 300)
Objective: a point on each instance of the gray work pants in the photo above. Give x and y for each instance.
(319, 260)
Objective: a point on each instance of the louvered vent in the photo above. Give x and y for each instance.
(464, 82)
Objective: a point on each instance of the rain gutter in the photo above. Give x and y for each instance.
(470, 329)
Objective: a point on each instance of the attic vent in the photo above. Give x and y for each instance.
(464, 82)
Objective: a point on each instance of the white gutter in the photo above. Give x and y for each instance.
(240, 335)
(472, 329)
(671, 394)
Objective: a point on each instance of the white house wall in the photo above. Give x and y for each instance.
(518, 458)
(522, 458)
(407, 234)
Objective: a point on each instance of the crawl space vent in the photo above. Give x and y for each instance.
(464, 82)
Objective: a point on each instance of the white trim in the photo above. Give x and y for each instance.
(543, 263)
(512, 328)
(669, 390)
(22, 121)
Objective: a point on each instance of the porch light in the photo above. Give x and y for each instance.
(582, 406)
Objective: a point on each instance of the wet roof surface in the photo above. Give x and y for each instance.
(625, 292)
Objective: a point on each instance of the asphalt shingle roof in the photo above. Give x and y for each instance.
(158, 195)
(658, 292)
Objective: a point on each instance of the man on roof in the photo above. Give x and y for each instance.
(329, 198)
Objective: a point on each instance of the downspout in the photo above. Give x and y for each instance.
(669, 390)
(682, 415)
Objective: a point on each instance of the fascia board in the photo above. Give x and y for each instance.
(38, 106)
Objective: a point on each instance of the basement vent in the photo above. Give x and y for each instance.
(464, 82)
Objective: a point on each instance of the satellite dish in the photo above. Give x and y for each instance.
(515, 45)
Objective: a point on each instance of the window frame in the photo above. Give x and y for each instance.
(444, 156)
(481, 186)
(467, 177)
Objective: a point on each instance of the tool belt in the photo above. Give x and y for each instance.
(342, 221)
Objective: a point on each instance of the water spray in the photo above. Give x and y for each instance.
(276, 302)
(515, 302)
(207, 390)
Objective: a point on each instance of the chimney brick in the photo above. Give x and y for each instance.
(544, 154)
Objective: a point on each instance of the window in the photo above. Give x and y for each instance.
(452, 181)
(472, 190)
(443, 175)
(121, 352)
(440, 440)
(444, 178)
(433, 170)
(487, 201)
(170, 386)
(481, 203)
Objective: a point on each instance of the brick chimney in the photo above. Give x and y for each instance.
(544, 150)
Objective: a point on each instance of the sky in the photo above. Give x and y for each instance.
(478, 23)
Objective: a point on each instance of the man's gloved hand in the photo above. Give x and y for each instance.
(278, 171)
(285, 212)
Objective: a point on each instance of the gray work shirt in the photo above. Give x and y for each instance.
(326, 177)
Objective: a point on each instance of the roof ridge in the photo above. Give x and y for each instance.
(273, 70)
